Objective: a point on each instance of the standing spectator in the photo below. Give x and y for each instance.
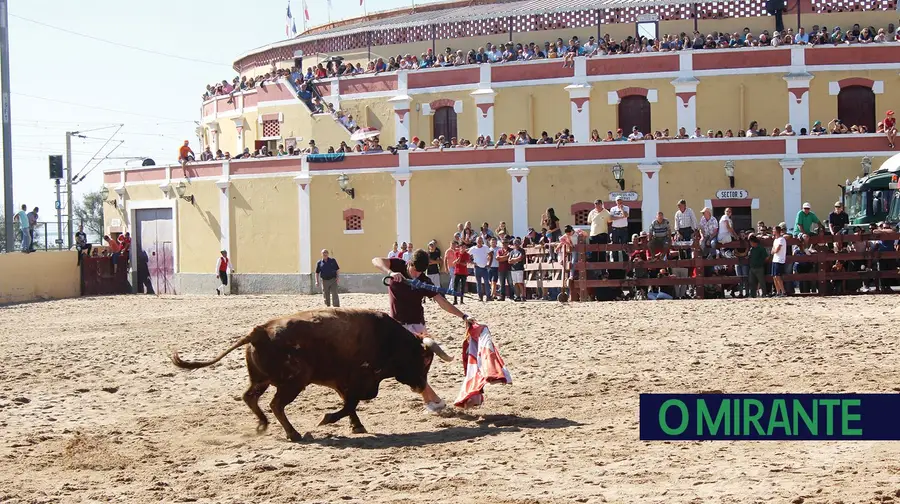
(726, 228)
(495, 266)
(81, 244)
(482, 257)
(434, 263)
(32, 225)
(460, 271)
(709, 231)
(685, 221)
(779, 258)
(185, 154)
(758, 256)
(838, 219)
(599, 219)
(517, 269)
(223, 265)
(505, 273)
(125, 247)
(113, 246)
(660, 235)
(394, 253)
(551, 222)
(327, 268)
(890, 127)
(22, 218)
(407, 249)
(619, 216)
(806, 222)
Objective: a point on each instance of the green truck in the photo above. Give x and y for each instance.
(876, 197)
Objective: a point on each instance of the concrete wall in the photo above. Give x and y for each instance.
(38, 276)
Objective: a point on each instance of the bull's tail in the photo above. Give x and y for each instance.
(257, 332)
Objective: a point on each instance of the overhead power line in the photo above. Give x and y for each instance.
(119, 44)
(100, 108)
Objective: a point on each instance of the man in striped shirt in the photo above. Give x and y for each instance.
(660, 236)
(685, 221)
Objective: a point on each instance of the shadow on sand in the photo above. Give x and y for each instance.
(488, 425)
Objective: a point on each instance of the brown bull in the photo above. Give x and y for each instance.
(349, 351)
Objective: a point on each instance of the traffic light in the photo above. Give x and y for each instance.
(56, 167)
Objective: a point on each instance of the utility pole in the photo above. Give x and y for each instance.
(68, 184)
(59, 240)
(7, 123)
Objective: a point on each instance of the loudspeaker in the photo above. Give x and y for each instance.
(56, 167)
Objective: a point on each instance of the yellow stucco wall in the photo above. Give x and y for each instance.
(265, 225)
(374, 195)
(202, 223)
(824, 107)
(699, 181)
(439, 200)
(514, 109)
(605, 117)
(38, 276)
(731, 102)
(559, 187)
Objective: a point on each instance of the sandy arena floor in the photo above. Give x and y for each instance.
(91, 409)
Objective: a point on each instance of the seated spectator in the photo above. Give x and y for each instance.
(837, 127)
(219, 155)
(207, 155)
(817, 129)
(890, 127)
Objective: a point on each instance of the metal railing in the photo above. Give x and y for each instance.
(44, 237)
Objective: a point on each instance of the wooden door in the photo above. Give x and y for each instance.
(856, 106)
(445, 123)
(634, 111)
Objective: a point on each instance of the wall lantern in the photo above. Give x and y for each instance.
(619, 175)
(729, 172)
(344, 184)
(104, 194)
(866, 164)
(179, 190)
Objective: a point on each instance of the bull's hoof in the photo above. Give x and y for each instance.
(327, 419)
(261, 427)
(359, 429)
(295, 437)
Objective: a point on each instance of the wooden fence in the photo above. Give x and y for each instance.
(824, 276)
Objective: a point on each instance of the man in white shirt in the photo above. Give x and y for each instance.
(395, 252)
(685, 221)
(482, 257)
(779, 258)
(599, 220)
(223, 266)
(726, 228)
(635, 135)
(709, 232)
(619, 222)
(408, 251)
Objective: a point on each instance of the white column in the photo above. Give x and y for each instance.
(798, 100)
(401, 116)
(519, 178)
(649, 192)
(303, 180)
(239, 126)
(686, 103)
(580, 106)
(224, 185)
(484, 103)
(401, 188)
(792, 189)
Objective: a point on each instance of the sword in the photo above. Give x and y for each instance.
(420, 285)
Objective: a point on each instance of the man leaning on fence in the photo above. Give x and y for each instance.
(22, 218)
(327, 270)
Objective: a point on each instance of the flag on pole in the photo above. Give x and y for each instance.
(289, 20)
(305, 10)
(361, 2)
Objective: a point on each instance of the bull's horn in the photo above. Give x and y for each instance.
(432, 345)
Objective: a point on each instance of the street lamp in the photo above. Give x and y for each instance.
(619, 175)
(179, 190)
(104, 193)
(344, 184)
(866, 164)
(729, 172)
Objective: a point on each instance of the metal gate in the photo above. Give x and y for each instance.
(155, 262)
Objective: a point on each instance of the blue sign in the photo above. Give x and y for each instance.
(58, 205)
(776, 417)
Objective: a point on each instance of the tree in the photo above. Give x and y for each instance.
(90, 214)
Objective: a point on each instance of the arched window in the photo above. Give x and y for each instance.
(445, 123)
(856, 107)
(634, 111)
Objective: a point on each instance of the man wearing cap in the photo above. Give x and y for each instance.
(818, 129)
(838, 219)
(222, 267)
(803, 224)
(401, 144)
(185, 154)
(327, 276)
(890, 127)
(619, 221)
(599, 220)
